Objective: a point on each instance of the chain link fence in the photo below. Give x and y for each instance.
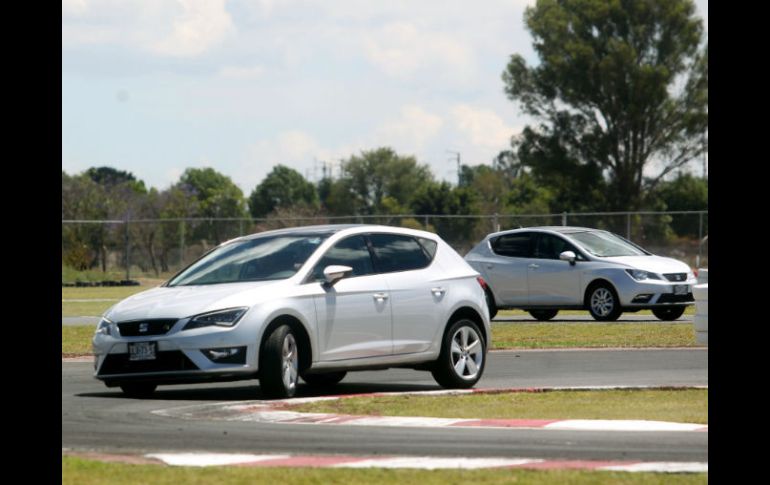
(95, 250)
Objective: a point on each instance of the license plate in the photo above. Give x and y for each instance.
(142, 351)
(681, 289)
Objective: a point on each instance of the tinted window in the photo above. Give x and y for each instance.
(513, 245)
(351, 251)
(397, 253)
(429, 246)
(550, 247)
(258, 259)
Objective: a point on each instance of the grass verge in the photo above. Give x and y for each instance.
(680, 406)
(114, 294)
(76, 339)
(689, 310)
(560, 335)
(88, 472)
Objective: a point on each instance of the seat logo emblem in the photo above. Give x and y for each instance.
(143, 327)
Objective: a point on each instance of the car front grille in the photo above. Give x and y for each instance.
(672, 298)
(168, 361)
(141, 328)
(676, 276)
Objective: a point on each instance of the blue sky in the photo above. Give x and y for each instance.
(156, 86)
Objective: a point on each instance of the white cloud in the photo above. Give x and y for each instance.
(202, 25)
(400, 50)
(411, 131)
(74, 7)
(483, 127)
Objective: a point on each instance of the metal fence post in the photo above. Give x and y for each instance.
(564, 218)
(181, 244)
(700, 238)
(495, 224)
(128, 253)
(628, 226)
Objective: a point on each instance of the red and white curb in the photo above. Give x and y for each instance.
(276, 412)
(203, 459)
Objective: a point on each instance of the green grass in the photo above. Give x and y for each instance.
(96, 308)
(591, 334)
(689, 310)
(76, 339)
(681, 406)
(77, 471)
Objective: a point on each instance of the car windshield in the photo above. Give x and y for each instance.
(259, 259)
(606, 245)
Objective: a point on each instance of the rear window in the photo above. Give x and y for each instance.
(396, 252)
(513, 245)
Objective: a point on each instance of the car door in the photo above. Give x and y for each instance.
(417, 292)
(353, 315)
(552, 281)
(507, 270)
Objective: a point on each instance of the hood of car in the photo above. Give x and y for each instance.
(654, 264)
(185, 301)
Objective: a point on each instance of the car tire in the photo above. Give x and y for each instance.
(543, 315)
(279, 364)
(138, 389)
(603, 303)
(491, 303)
(668, 313)
(463, 356)
(326, 379)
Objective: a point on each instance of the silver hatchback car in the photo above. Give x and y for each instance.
(547, 269)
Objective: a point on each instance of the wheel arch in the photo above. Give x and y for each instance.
(593, 284)
(300, 332)
(470, 314)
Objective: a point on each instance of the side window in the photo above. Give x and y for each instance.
(429, 246)
(395, 252)
(351, 251)
(550, 247)
(513, 245)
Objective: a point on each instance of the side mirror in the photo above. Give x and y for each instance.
(334, 273)
(568, 256)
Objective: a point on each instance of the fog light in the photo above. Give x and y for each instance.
(228, 355)
(643, 298)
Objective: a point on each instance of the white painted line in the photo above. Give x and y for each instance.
(622, 425)
(660, 466)
(211, 459)
(433, 463)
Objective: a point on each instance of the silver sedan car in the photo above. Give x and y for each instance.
(547, 269)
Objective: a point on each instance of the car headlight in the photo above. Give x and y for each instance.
(104, 327)
(222, 318)
(640, 275)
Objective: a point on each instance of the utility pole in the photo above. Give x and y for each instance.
(456, 157)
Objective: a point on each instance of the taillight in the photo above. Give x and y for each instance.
(482, 282)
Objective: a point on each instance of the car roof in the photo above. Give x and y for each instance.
(557, 229)
(333, 229)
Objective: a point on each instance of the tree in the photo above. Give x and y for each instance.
(112, 177)
(685, 193)
(217, 197)
(283, 187)
(619, 84)
(378, 182)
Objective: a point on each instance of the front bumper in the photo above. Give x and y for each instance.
(179, 357)
(655, 293)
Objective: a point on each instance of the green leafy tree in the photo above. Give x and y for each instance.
(283, 187)
(441, 198)
(620, 84)
(378, 182)
(217, 197)
(685, 193)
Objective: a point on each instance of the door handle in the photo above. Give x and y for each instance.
(380, 296)
(490, 266)
(438, 291)
(534, 266)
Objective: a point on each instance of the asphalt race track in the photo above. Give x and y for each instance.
(95, 418)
